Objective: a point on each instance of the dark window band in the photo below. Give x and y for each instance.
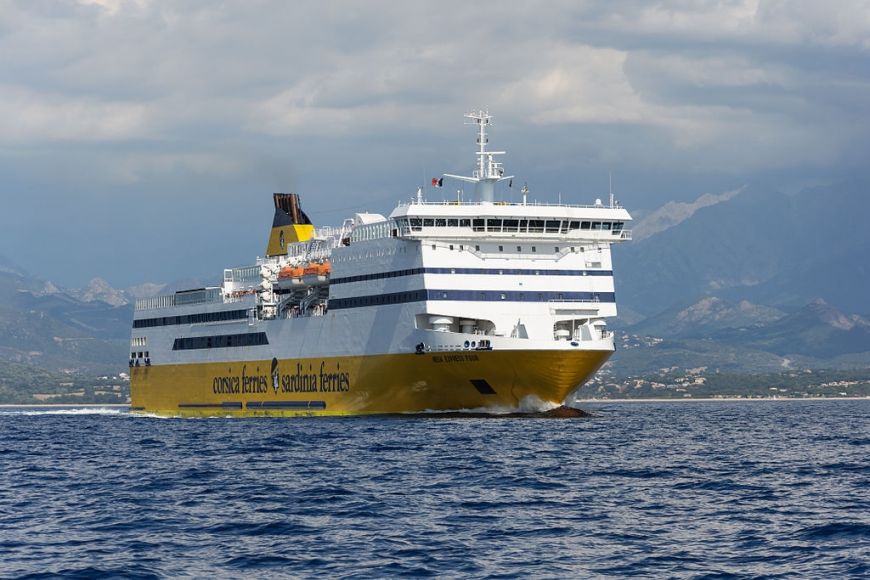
(225, 405)
(220, 341)
(490, 271)
(221, 316)
(469, 296)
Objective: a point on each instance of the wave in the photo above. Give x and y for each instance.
(34, 410)
(527, 406)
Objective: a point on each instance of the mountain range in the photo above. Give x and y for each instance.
(83, 330)
(770, 248)
(748, 281)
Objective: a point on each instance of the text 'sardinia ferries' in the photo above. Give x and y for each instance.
(443, 305)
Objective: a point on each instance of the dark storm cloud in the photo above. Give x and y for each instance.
(168, 117)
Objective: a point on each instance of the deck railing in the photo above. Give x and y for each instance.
(510, 203)
(182, 298)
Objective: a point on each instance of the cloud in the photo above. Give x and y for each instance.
(37, 117)
(276, 69)
(218, 96)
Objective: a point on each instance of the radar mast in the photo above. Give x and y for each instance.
(488, 172)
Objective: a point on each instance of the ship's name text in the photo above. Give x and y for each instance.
(303, 380)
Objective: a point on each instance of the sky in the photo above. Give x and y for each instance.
(140, 141)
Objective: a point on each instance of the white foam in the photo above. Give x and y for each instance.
(34, 411)
(529, 404)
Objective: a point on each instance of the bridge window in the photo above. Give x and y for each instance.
(452, 223)
(479, 225)
(524, 225)
(465, 223)
(584, 225)
(605, 226)
(596, 225)
(416, 224)
(511, 225)
(428, 222)
(553, 226)
(493, 225)
(536, 226)
(440, 222)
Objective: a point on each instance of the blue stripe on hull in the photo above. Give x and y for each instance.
(484, 271)
(469, 296)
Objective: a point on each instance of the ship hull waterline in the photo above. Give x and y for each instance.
(362, 385)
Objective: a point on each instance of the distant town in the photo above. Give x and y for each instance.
(703, 382)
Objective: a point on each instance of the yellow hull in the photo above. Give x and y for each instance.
(394, 383)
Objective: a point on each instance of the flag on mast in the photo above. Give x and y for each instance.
(437, 182)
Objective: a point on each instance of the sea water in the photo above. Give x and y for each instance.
(712, 489)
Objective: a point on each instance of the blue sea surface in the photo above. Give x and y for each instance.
(713, 490)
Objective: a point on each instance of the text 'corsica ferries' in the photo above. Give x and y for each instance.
(442, 305)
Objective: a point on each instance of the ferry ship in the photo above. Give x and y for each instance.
(479, 303)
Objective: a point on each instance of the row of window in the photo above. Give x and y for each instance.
(349, 256)
(199, 318)
(469, 296)
(499, 225)
(484, 271)
(220, 341)
(516, 296)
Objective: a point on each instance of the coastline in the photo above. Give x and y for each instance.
(577, 402)
(726, 399)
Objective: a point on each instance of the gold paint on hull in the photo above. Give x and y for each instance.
(392, 383)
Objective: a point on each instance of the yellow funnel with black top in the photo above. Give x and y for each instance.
(289, 225)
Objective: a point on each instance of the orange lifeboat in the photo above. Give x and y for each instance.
(317, 270)
(286, 272)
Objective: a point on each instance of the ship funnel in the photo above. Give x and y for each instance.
(289, 225)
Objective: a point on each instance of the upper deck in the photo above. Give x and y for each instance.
(497, 220)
